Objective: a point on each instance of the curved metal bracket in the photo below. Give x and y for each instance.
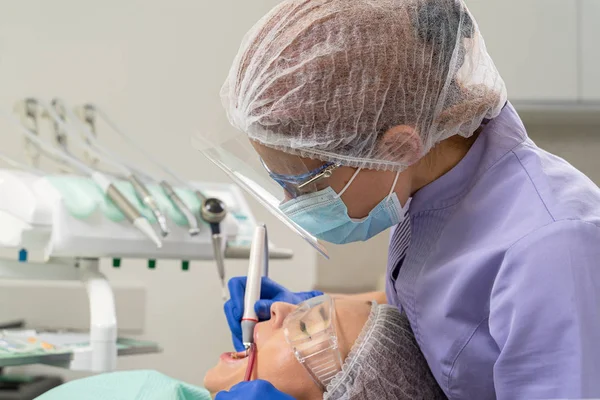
(28, 112)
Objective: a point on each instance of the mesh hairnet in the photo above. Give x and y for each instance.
(385, 363)
(328, 79)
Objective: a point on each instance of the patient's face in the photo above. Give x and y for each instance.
(275, 361)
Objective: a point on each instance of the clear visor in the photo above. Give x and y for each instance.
(310, 330)
(271, 176)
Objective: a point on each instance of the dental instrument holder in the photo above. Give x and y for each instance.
(35, 215)
(56, 112)
(20, 166)
(91, 111)
(59, 135)
(28, 111)
(87, 115)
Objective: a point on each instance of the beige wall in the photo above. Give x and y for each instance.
(578, 144)
(355, 267)
(156, 67)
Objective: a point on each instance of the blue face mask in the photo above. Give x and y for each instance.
(325, 215)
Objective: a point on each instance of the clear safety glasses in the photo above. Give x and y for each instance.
(270, 176)
(310, 330)
(297, 185)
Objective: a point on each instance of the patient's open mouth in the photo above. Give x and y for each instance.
(239, 354)
(234, 356)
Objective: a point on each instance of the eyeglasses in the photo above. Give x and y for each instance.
(296, 185)
(310, 331)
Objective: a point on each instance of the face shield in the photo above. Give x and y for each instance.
(270, 176)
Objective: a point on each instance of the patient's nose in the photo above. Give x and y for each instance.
(279, 311)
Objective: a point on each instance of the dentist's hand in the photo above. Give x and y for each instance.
(253, 390)
(270, 292)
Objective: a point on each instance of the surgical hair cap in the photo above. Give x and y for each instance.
(329, 79)
(384, 363)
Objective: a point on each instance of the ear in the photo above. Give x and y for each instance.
(401, 143)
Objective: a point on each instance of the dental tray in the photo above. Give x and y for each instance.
(38, 215)
(63, 349)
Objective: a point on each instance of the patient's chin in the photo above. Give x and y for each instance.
(223, 376)
(209, 383)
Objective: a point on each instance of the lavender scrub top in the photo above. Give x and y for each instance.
(501, 280)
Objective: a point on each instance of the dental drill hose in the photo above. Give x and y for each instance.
(251, 363)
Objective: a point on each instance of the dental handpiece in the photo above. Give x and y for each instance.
(56, 113)
(217, 243)
(149, 201)
(253, 283)
(128, 209)
(99, 178)
(213, 212)
(187, 213)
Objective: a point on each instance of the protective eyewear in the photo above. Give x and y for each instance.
(310, 331)
(296, 185)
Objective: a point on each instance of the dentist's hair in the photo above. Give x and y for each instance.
(329, 79)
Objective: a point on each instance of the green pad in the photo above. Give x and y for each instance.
(82, 197)
(146, 385)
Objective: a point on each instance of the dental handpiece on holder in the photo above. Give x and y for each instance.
(91, 111)
(83, 130)
(64, 129)
(85, 121)
(61, 155)
(258, 265)
(213, 212)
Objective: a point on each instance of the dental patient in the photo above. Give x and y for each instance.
(324, 348)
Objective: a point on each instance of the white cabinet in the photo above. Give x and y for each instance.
(590, 50)
(534, 45)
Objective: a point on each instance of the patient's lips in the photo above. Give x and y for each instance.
(238, 356)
